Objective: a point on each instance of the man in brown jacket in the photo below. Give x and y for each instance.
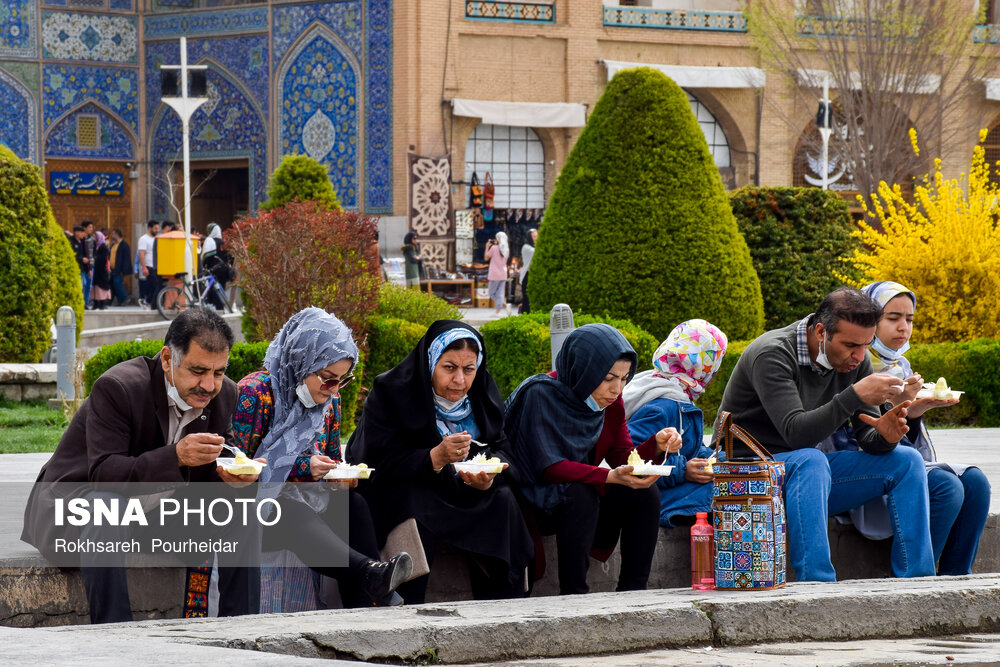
(159, 420)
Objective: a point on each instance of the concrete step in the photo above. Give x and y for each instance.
(118, 316)
(149, 328)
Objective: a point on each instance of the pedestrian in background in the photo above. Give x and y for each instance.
(101, 297)
(149, 284)
(411, 259)
(121, 266)
(497, 252)
(88, 261)
(527, 253)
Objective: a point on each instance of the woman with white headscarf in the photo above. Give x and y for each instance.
(289, 414)
(683, 364)
(497, 252)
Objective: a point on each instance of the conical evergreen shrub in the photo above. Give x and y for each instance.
(639, 226)
(26, 268)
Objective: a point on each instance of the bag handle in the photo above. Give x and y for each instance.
(723, 431)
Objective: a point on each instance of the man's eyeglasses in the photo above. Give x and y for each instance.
(328, 384)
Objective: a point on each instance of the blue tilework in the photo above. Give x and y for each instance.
(119, 4)
(98, 37)
(344, 19)
(232, 127)
(378, 108)
(245, 58)
(66, 86)
(18, 118)
(251, 19)
(18, 28)
(116, 142)
(318, 83)
(54, 3)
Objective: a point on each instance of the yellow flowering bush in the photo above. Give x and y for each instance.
(944, 244)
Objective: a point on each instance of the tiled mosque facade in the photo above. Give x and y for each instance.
(283, 77)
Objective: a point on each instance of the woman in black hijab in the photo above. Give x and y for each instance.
(434, 409)
(561, 426)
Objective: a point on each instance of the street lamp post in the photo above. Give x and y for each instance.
(185, 107)
(824, 120)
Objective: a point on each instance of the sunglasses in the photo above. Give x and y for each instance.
(332, 384)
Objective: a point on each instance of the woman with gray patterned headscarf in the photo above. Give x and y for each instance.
(289, 414)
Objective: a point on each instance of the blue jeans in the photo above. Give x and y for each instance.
(959, 509)
(819, 485)
(118, 287)
(86, 282)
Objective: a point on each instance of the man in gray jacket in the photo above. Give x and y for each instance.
(793, 387)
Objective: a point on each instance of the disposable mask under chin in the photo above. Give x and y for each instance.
(592, 404)
(175, 396)
(305, 396)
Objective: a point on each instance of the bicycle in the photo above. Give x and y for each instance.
(172, 300)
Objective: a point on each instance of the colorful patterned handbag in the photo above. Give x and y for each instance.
(748, 514)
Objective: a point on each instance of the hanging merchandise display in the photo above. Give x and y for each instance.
(488, 192)
(476, 191)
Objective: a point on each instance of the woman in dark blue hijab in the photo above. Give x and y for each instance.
(561, 426)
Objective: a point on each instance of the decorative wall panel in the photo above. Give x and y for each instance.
(228, 21)
(344, 19)
(317, 95)
(18, 118)
(18, 32)
(116, 142)
(230, 126)
(66, 86)
(244, 57)
(378, 108)
(67, 36)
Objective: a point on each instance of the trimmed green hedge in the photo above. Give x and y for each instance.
(244, 358)
(390, 339)
(639, 225)
(798, 239)
(413, 305)
(519, 347)
(27, 269)
(66, 290)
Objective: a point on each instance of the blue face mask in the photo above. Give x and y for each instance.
(886, 352)
(592, 404)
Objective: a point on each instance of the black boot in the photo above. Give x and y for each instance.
(383, 577)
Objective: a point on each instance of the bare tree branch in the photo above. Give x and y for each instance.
(893, 65)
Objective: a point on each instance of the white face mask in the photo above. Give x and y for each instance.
(305, 396)
(821, 358)
(175, 395)
(445, 404)
(592, 404)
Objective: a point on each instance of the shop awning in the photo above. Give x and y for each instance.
(924, 85)
(992, 89)
(688, 76)
(522, 114)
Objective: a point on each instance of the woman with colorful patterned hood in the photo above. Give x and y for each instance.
(289, 415)
(563, 425)
(959, 494)
(437, 407)
(683, 365)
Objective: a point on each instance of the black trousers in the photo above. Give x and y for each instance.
(314, 538)
(586, 518)
(107, 585)
(525, 306)
(487, 576)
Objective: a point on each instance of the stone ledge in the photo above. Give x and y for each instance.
(27, 373)
(600, 623)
